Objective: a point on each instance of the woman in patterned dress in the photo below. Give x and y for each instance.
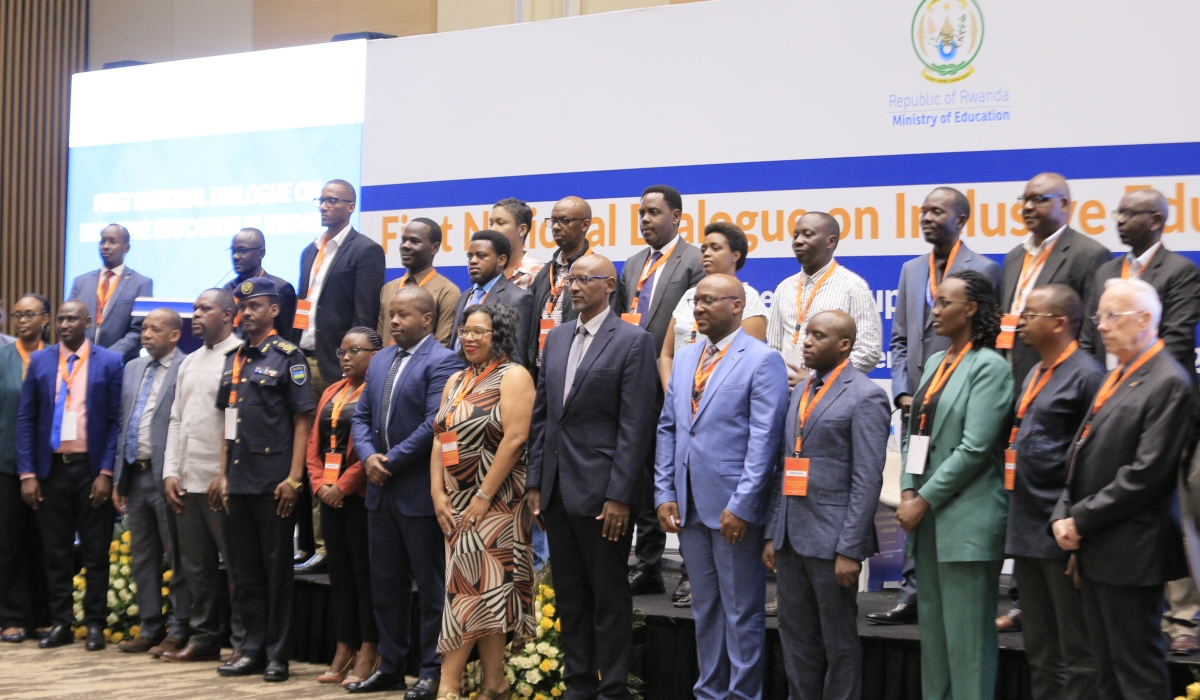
(478, 478)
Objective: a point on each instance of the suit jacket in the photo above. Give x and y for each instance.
(1073, 262)
(964, 477)
(594, 446)
(131, 384)
(287, 307)
(913, 339)
(35, 417)
(539, 289)
(353, 479)
(1122, 478)
(515, 298)
(119, 331)
(10, 398)
(416, 398)
(349, 295)
(1178, 284)
(679, 273)
(728, 452)
(845, 442)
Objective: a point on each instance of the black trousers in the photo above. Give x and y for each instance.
(594, 603)
(1056, 636)
(651, 540)
(66, 509)
(259, 546)
(346, 538)
(22, 571)
(1128, 648)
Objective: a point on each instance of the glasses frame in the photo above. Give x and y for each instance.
(1036, 199)
(1127, 214)
(1026, 315)
(1111, 316)
(941, 303)
(563, 221)
(472, 333)
(333, 201)
(16, 316)
(570, 280)
(706, 303)
(353, 352)
(243, 249)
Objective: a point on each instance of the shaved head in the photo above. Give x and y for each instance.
(1051, 183)
(1151, 200)
(830, 338)
(578, 207)
(591, 296)
(719, 302)
(1061, 300)
(839, 324)
(418, 297)
(958, 200)
(722, 285)
(74, 306)
(594, 264)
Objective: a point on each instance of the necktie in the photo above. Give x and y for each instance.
(388, 385)
(573, 360)
(102, 297)
(477, 296)
(643, 306)
(135, 418)
(60, 405)
(710, 354)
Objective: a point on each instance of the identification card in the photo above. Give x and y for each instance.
(449, 440)
(547, 325)
(1010, 470)
(1008, 331)
(303, 311)
(918, 454)
(795, 476)
(635, 319)
(70, 426)
(231, 420)
(333, 469)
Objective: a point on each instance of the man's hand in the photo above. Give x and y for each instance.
(119, 501)
(286, 495)
(769, 555)
(668, 517)
(174, 493)
(1065, 534)
(331, 495)
(616, 520)
(794, 374)
(102, 488)
(1073, 570)
(846, 571)
(733, 528)
(31, 493)
(218, 494)
(376, 469)
(534, 498)
(911, 510)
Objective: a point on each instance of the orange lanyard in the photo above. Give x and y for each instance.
(25, 356)
(703, 373)
(420, 283)
(646, 274)
(555, 292)
(933, 268)
(1125, 265)
(237, 371)
(103, 292)
(940, 377)
(68, 378)
(338, 403)
(466, 386)
(1028, 271)
(1040, 379)
(807, 408)
(803, 315)
(1114, 380)
(317, 265)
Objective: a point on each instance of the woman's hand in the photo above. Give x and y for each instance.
(445, 514)
(911, 510)
(476, 509)
(331, 496)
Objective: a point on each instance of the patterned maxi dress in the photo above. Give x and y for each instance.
(489, 569)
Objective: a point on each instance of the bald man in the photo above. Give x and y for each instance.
(108, 294)
(718, 437)
(552, 305)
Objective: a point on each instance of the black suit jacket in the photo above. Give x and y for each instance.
(1122, 479)
(1178, 284)
(515, 298)
(540, 289)
(349, 297)
(594, 446)
(287, 307)
(679, 273)
(1073, 262)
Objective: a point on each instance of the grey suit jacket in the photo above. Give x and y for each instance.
(913, 339)
(131, 384)
(679, 273)
(845, 442)
(515, 298)
(119, 331)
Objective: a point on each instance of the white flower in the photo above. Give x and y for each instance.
(542, 647)
(112, 618)
(112, 571)
(529, 648)
(510, 675)
(133, 586)
(119, 584)
(125, 596)
(533, 676)
(540, 632)
(132, 610)
(77, 595)
(112, 599)
(551, 652)
(126, 571)
(79, 615)
(553, 663)
(524, 690)
(534, 660)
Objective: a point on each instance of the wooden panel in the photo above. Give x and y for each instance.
(279, 23)
(42, 43)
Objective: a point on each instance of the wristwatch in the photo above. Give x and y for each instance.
(296, 485)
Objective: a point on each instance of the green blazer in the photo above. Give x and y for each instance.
(964, 478)
(10, 398)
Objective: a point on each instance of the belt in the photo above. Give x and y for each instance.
(69, 457)
(141, 464)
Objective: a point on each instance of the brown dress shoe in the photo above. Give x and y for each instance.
(191, 652)
(138, 645)
(1010, 621)
(1183, 645)
(168, 644)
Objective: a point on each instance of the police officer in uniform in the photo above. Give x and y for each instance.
(268, 409)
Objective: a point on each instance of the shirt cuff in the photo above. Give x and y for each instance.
(106, 472)
(28, 475)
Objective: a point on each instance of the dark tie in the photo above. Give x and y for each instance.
(388, 385)
(135, 418)
(581, 333)
(643, 305)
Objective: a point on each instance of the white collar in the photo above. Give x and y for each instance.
(339, 239)
(226, 345)
(724, 342)
(413, 350)
(805, 276)
(593, 326)
(166, 359)
(1145, 257)
(117, 271)
(667, 249)
(1035, 249)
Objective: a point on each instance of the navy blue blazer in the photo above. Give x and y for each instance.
(36, 413)
(119, 331)
(416, 398)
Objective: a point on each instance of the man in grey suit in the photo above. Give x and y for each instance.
(147, 394)
(822, 514)
(487, 256)
(652, 283)
(113, 289)
(943, 215)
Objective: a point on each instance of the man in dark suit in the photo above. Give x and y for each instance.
(1053, 253)
(652, 283)
(487, 257)
(393, 433)
(1052, 404)
(108, 294)
(1116, 511)
(569, 222)
(248, 249)
(822, 522)
(147, 396)
(590, 436)
(67, 430)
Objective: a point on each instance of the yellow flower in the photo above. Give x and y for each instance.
(112, 559)
(124, 560)
(125, 536)
(135, 631)
(80, 632)
(558, 625)
(83, 571)
(114, 546)
(107, 635)
(546, 623)
(125, 549)
(548, 610)
(545, 666)
(1193, 691)
(117, 636)
(555, 692)
(167, 576)
(166, 591)
(539, 696)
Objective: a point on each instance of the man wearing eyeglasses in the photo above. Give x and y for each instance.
(248, 249)
(568, 221)
(1052, 253)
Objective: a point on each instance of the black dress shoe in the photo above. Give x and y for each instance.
(38, 634)
(683, 590)
(379, 681)
(641, 583)
(315, 565)
(277, 672)
(902, 614)
(14, 638)
(424, 689)
(59, 635)
(300, 557)
(95, 638)
(244, 666)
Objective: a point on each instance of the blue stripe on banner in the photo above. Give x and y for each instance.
(1088, 162)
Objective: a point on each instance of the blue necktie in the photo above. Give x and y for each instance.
(60, 404)
(643, 305)
(135, 419)
(477, 296)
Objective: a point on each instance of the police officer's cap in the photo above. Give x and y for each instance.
(255, 287)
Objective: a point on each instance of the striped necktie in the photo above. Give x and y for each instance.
(710, 356)
(389, 385)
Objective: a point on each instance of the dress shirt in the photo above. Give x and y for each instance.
(723, 342)
(445, 299)
(396, 382)
(486, 287)
(843, 291)
(118, 273)
(1136, 265)
(666, 253)
(685, 317)
(1033, 250)
(196, 434)
(308, 341)
(593, 327)
(145, 445)
(77, 400)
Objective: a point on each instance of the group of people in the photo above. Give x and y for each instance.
(553, 410)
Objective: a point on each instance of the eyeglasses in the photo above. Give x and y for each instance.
(584, 279)
(352, 352)
(1126, 214)
(709, 301)
(1111, 316)
(473, 333)
(331, 201)
(28, 315)
(941, 303)
(1036, 199)
(563, 221)
(242, 250)
(1029, 314)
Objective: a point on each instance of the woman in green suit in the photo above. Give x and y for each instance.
(953, 504)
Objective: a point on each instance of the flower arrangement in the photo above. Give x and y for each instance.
(534, 670)
(122, 621)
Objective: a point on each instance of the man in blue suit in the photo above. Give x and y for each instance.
(67, 429)
(393, 433)
(108, 294)
(822, 523)
(718, 442)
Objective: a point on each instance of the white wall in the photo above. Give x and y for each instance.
(154, 31)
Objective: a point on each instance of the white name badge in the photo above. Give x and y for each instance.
(231, 423)
(918, 454)
(70, 426)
